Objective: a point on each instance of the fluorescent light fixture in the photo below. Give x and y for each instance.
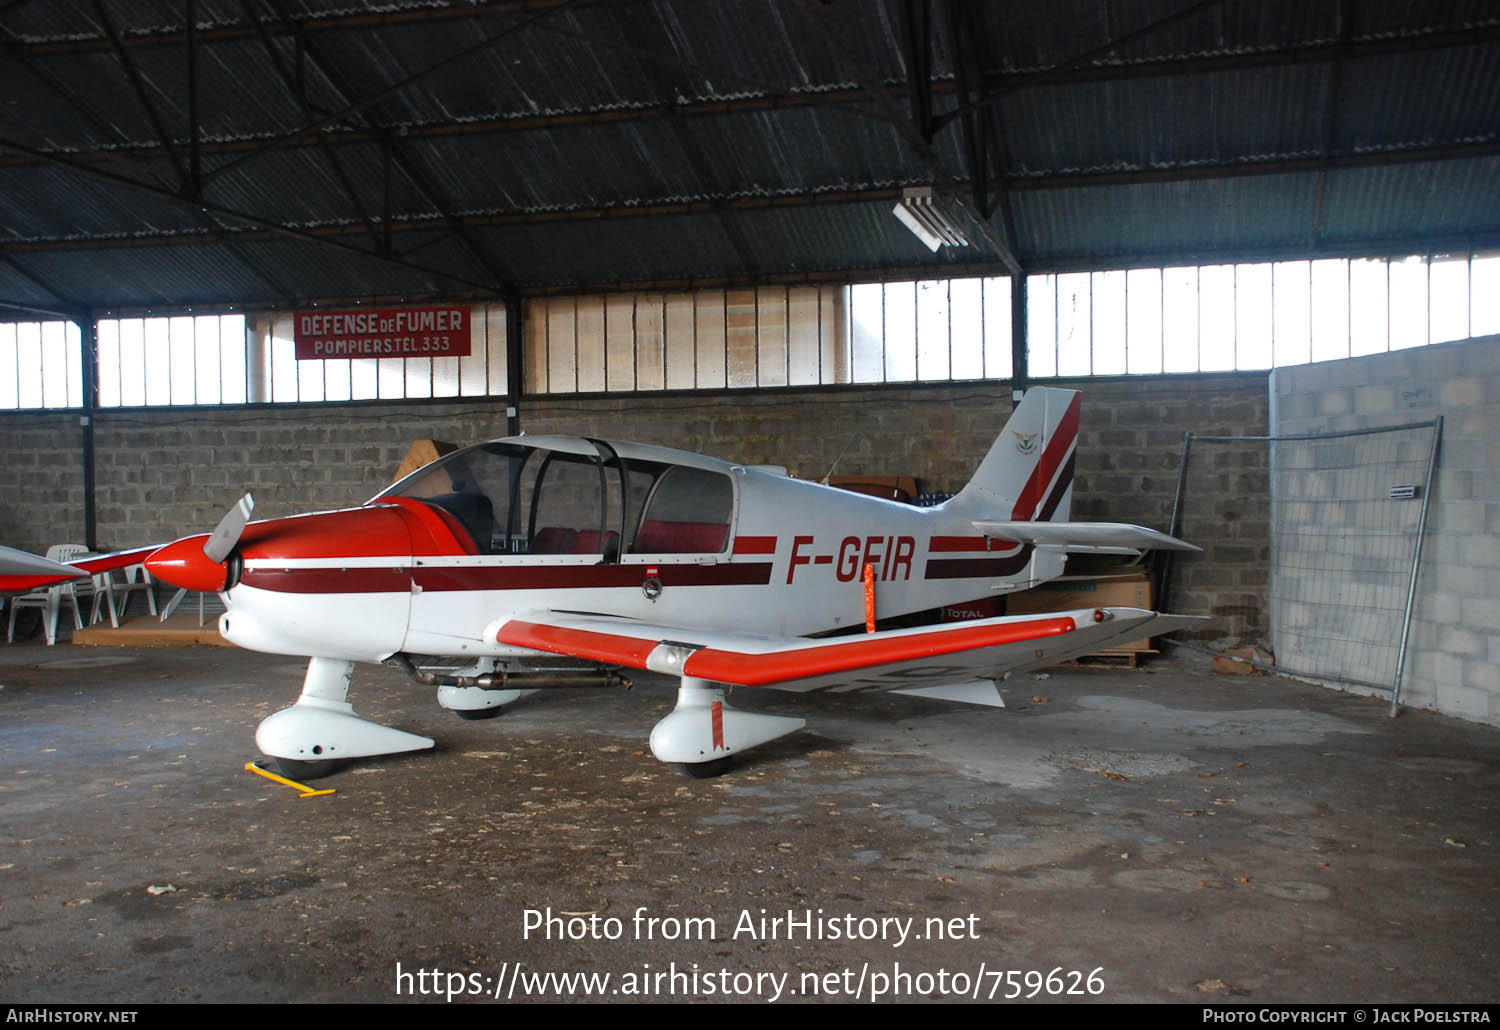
(920, 210)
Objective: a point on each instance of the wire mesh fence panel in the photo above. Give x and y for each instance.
(1345, 515)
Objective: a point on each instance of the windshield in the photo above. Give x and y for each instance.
(513, 499)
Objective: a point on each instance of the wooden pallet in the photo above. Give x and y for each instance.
(1108, 660)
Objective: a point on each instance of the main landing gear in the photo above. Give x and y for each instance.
(320, 734)
(703, 732)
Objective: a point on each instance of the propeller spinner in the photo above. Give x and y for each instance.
(202, 562)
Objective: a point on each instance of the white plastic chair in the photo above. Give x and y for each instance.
(51, 599)
(115, 596)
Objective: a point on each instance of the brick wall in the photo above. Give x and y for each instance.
(161, 474)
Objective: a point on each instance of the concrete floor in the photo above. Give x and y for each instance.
(1179, 836)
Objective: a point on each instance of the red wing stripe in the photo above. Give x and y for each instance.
(118, 560)
(30, 581)
(760, 670)
(611, 648)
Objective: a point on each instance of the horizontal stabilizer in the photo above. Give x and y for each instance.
(889, 660)
(22, 570)
(976, 692)
(1085, 536)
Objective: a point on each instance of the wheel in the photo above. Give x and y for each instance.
(295, 769)
(706, 770)
(476, 714)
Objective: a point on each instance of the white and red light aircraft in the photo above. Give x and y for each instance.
(508, 554)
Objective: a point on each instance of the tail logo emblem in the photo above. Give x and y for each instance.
(1025, 442)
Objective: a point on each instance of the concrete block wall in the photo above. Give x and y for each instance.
(162, 474)
(1453, 665)
(41, 481)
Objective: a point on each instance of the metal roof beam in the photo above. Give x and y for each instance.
(293, 83)
(66, 308)
(340, 230)
(187, 185)
(396, 154)
(815, 196)
(775, 99)
(630, 30)
(1249, 169)
(820, 14)
(387, 91)
(1060, 71)
(174, 36)
(208, 207)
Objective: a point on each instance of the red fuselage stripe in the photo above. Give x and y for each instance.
(945, 544)
(755, 545)
(975, 568)
(399, 579)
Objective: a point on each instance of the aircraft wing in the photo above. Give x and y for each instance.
(21, 571)
(888, 660)
(1100, 537)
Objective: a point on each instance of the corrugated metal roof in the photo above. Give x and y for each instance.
(546, 144)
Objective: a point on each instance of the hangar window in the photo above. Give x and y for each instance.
(772, 336)
(183, 359)
(279, 377)
(1211, 318)
(706, 340)
(238, 358)
(41, 365)
(1139, 321)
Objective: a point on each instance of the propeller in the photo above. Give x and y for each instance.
(227, 533)
(198, 562)
(218, 546)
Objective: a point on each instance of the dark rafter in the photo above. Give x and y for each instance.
(918, 26)
(173, 36)
(984, 131)
(291, 78)
(822, 16)
(186, 185)
(426, 225)
(1335, 86)
(219, 211)
(392, 146)
(997, 85)
(1061, 71)
(388, 91)
(65, 307)
(630, 30)
(813, 195)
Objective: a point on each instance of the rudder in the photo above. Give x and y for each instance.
(1028, 473)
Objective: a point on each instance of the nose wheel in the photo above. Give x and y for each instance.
(320, 733)
(293, 769)
(705, 770)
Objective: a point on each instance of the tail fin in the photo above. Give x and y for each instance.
(1028, 473)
